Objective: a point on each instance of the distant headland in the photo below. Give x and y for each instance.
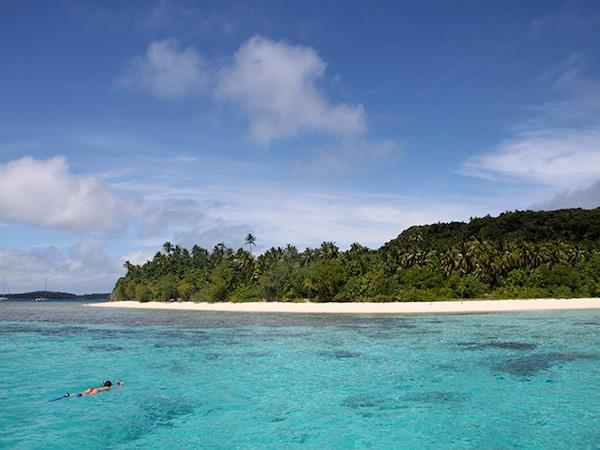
(49, 295)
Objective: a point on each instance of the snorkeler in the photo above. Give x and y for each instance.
(106, 386)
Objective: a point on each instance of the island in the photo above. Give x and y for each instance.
(517, 255)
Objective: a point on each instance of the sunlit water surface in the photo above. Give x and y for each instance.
(225, 380)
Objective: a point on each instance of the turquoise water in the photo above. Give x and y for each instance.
(223, 380)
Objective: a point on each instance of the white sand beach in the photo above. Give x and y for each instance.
(442, 307)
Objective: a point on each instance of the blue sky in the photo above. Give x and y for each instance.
(125, 124)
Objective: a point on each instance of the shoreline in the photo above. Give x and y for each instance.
(439, 307)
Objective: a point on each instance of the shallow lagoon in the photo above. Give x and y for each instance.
(227, 380)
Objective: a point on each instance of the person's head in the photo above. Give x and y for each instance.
(108, 383)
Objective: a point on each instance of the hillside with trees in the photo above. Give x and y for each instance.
(523, 254)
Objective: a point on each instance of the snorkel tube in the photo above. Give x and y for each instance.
(67, 395)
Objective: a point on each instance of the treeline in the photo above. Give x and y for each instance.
(516, 255)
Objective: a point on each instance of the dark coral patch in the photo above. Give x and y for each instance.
(340, 354)
(432, 397)
(345, 354)
(364, 401)
(498, 345)
(257, 354)
(105, 347)
(533, 364)
(300, 438)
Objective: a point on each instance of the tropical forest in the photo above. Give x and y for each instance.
(521, 254)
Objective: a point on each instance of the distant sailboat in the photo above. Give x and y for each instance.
(41, 298)
(3, 295)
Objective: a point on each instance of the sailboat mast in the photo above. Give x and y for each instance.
(3, 293)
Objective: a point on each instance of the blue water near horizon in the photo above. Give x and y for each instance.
(229, 380)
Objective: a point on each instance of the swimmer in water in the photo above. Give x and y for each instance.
(106, 386)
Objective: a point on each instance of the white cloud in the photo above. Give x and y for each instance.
(291, 212)
(276, 87)
(575, 90)
(82, 268)
(232, 235)
(580, 198)
(140, 256)
(304, 218)
(349, 156)
(557, 147)
(171, 213)
(295, 211)
(166, 71)
(44, 193)
(558, 157)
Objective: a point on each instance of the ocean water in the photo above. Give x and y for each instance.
(225, 380)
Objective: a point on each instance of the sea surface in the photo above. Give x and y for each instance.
(266, 381)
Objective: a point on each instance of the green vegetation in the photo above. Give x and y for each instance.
(516, 255)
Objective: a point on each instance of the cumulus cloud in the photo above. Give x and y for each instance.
(44, 193)
(81, 268)
(559, 157)
(166, 70)
(276, 85)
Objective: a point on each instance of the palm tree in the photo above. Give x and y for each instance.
(218, 254)
(200, 256)
(250, 241)
(246, 264)
(448, 261)
(168, 248)
(329, 250)
(291, 253)
(128, 266)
